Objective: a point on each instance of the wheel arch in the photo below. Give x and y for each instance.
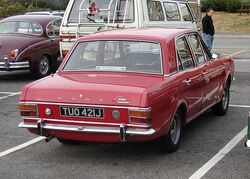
(182, 109)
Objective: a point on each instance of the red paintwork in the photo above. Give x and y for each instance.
(163, 93)
(30, 47)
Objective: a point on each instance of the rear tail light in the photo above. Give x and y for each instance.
(13, 55)
(28, 110)
(140, 115)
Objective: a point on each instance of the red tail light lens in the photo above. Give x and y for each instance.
(28, 110)
(14, 53)
(140, 115)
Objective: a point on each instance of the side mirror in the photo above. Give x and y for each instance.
(216, 55)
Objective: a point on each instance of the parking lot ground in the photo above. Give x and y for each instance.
(202, 140)
(234, 165)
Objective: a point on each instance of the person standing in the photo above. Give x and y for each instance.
(208, 28)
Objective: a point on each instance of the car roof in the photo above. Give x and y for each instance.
(43, 19)
(139, 33)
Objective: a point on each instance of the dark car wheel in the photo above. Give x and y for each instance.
(221, 108)
(68, 142)
(44, 67)
(171, 141)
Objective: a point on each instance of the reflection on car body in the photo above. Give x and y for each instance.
(128, 85)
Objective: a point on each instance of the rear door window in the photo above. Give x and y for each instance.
(29, 28)
(197, 48)
(184, 53)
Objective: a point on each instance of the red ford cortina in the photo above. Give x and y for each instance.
(30, 42)
(128, 85)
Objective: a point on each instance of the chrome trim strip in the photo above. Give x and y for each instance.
(14, 65)
(27, 125)
(86, 122)
(89, 129)
(88, 105)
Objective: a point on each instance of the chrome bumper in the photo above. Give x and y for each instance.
(123, 131)
(7, 65)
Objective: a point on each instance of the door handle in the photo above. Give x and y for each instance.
(187, 81)
(204, 73)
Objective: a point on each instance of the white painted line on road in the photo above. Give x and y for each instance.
(239, 106)
(26, 144)
(237, 53)
(9, 95)
(231, 48)
(222, 153)
(6, 92)
(245, 60)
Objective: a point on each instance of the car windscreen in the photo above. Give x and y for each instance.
(119, 56)
(21, 27)
(98, 11)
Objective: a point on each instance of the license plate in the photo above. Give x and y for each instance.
(81, 112)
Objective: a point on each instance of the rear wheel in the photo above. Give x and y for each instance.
(221, 108)
(68, 142)
(171, 141)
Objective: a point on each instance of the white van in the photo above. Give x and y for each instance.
(83, 17)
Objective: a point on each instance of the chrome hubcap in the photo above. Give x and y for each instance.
(44, 65)
(175, 129)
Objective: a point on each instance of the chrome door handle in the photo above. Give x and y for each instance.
(187, 81)
(204, 73)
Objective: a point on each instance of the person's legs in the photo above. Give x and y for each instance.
(212, 40)
(208, 40)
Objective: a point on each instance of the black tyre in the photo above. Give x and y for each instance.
(44, 67)
(68, 142)
(221, 108)
(171, 142)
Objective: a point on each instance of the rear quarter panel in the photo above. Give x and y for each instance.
(35, 51)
